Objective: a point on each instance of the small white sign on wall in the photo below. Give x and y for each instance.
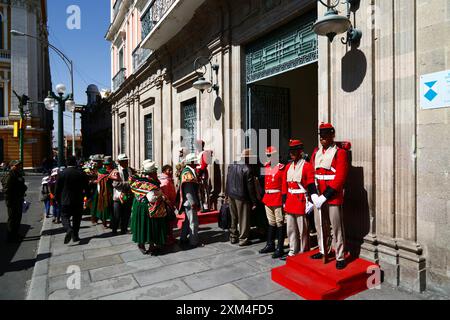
(435, 90)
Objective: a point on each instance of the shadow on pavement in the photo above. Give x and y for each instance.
(26, 264)
(60, 230)
(9, 250)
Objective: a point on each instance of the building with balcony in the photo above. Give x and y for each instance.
(275, 73)
(24, 68)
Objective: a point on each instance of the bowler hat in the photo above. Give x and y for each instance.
(148, 166)
(122, 157)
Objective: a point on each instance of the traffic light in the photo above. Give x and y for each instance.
(16, 129)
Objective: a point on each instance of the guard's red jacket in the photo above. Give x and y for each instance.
(296, 202)
(273, 181)
(333, 189)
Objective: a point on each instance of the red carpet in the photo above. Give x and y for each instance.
(313, 280)
(203, 218)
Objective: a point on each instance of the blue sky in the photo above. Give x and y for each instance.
(86, 46)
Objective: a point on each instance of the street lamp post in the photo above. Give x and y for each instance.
(67, 101)
(23, 101)
(62, 101)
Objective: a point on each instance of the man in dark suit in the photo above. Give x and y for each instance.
(71, 186)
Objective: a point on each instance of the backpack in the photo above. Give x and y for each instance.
(225, 217)
(347, 146)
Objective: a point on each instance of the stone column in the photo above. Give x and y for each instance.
(19, 54)
(136, 131)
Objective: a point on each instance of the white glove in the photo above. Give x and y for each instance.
(314, 198)
(319, 202)
(309, 207)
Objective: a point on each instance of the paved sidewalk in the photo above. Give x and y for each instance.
(113, 268)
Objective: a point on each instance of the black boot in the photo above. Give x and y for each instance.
(279, 252)
(270, 246)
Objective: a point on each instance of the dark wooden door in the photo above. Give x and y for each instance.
(269, 108)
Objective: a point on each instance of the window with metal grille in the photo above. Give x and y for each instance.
(123, 143)
(189, 124)
(121, 63)
(148, 128)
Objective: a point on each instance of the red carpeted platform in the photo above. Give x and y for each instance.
(313, 280)
(203, 218)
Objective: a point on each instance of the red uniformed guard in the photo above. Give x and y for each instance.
(273, 200)
(331, 168)
(298, 182)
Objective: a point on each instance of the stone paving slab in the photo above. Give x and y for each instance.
(96, 289)
(122, 239)
(113, 268)
(224, 292)
(259, 285)
(181, 256)
(61, 248)
(170, 272)
(385, 293)
(89, 264)
(231, 257)
(166, 290)
(125, 268)
(60, 282)
(265, 263)
(219, 276)
(134, 256)
(282, 294)
(109, 251)
(66, 258)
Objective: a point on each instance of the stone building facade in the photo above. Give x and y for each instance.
(96, 124)
(274, 73)
(25, 68)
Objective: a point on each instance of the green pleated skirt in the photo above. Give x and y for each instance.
(147, 230)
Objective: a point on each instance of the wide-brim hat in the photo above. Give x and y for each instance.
(97, 158)
(192, 157)
(55, 172)
(15, 163)
(45, 180)
(148, 166)
(247, 154)
(122, 157)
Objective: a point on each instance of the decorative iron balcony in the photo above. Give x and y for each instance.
(119, 79)
(154, 14)
(140, 56)
(4, 122)
(5, 54)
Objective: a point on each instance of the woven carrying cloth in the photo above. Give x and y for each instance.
(140, 188)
